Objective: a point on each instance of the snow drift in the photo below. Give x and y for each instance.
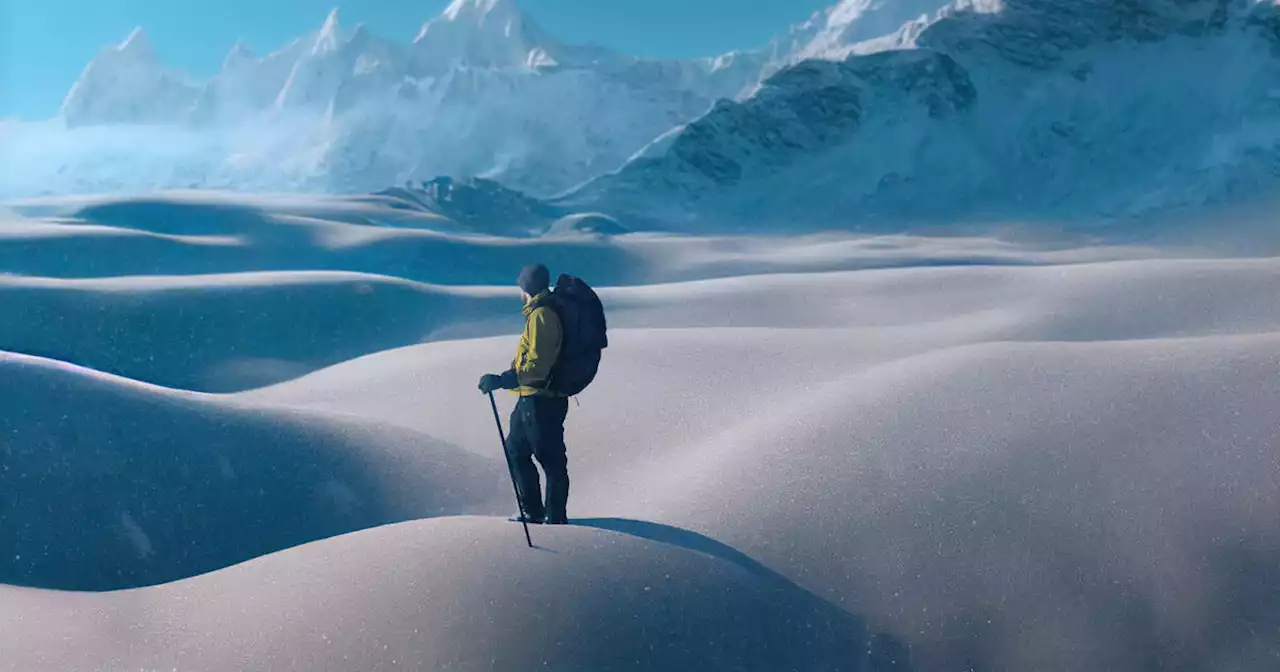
(459, 593)
(1047, 504)
(270, 295)
(1039, 449)
(109, 483)
(996, 453)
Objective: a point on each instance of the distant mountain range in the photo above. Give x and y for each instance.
(872, 110)
(482, 91)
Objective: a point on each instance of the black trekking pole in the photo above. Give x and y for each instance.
(524, 519)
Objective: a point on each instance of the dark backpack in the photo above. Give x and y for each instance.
(583, 327)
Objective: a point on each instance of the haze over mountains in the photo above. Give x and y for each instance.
(870, 111)
(482, 90)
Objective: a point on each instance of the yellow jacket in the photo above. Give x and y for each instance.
(539, 347)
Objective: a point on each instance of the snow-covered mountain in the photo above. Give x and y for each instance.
(493, 34)
(852, 26)
(127, 84)
(482, 91)
(479, 204)
(1013, 109)
(813, 137)
(338, 66)
(872, 109)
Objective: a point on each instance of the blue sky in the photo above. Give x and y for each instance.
(45, 43)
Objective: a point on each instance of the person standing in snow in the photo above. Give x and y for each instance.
(537, 423)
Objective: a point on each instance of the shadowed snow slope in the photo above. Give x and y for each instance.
(1031, 506)
(180, 233)
(1062, 502)
(260, 329)
(229, 332)
(987, 110)
(227, 294)
(1048, 506)
(108, 483)
(459, 593)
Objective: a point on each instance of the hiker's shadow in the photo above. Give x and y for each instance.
(837, 639)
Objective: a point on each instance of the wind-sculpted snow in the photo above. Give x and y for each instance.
(1022, 417)
(1015, 452)
(109, 483)
(608, 594)
(272, 288)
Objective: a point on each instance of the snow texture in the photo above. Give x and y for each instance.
(1000, 453)
(990, 432)
(458, 591)
(1091, 112)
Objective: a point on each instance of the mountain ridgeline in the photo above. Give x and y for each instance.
(870, 113)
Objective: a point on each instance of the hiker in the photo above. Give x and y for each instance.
(537, 423)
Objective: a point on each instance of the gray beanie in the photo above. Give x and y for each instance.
(534, 279)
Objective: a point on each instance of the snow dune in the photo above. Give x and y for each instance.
(110, 483)
(231, 332)
(461, 593)
(181, 233)
(1064, 506)
(128, 286)
(992, 454)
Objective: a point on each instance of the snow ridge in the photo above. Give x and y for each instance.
(996, 111)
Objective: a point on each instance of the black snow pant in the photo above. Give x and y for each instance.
(537, 431)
